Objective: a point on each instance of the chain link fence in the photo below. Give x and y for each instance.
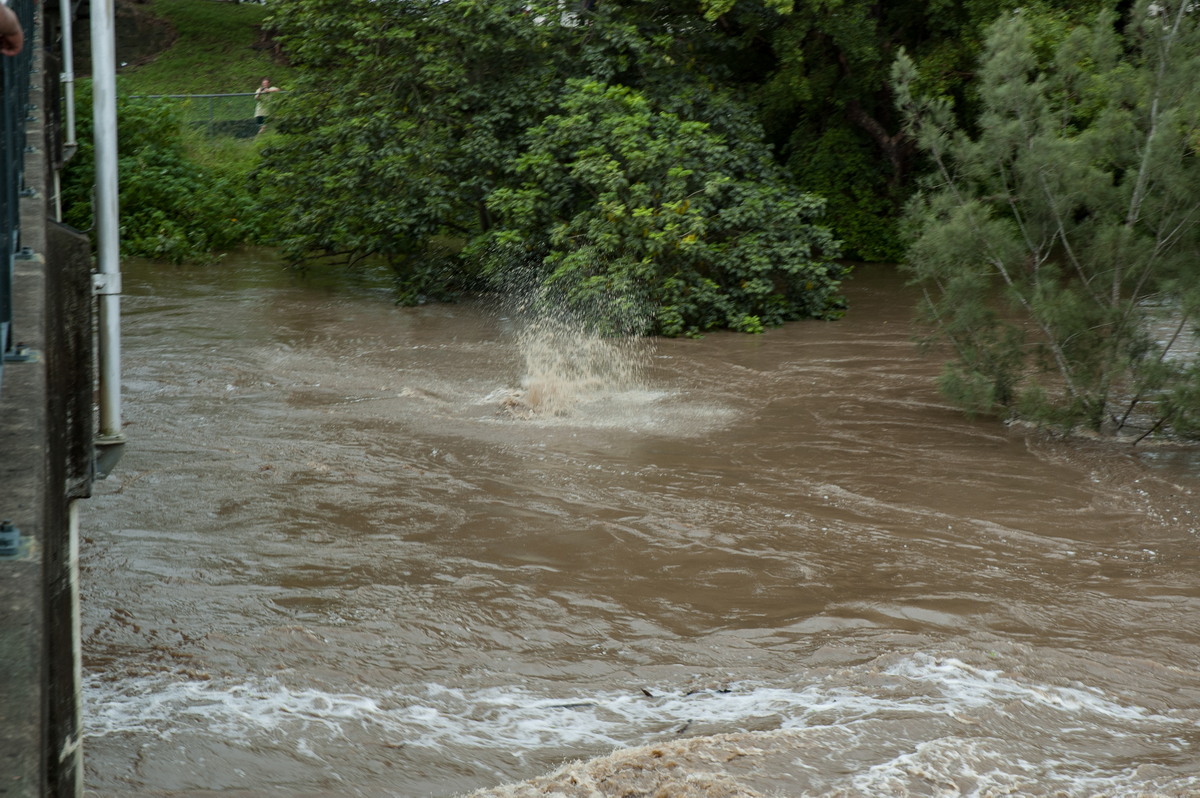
(217, 114)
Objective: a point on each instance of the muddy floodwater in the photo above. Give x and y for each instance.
(355, 549)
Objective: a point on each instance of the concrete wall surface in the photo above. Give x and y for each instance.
(46, 462)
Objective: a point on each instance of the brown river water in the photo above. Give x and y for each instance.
(362, 550)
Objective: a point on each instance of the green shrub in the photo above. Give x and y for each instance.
(172, 205)
(695, 230)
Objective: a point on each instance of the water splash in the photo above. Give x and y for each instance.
(567, 367)
(574, 356)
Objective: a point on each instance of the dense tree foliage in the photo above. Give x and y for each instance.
(823, 90)
(1057, 243)
(618, 199)
(597, 150)
(815, 73)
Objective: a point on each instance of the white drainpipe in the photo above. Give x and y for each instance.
(107, 279)
(68, 74)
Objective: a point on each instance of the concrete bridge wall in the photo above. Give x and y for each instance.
(46, 457)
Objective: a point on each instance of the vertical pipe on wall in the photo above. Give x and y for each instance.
(107, 279)
(68, 74)
(72, 753)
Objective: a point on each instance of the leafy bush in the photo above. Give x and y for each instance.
(619, 198)
(172, 207)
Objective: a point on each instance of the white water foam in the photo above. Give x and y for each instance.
(876, 707)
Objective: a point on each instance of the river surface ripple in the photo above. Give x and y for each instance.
(344, 556)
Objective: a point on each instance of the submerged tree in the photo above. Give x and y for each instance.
(442, 134)
(1057, 245)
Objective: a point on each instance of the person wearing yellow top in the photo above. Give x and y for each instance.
(261, 102)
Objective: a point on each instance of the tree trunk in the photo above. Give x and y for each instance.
(896, 147)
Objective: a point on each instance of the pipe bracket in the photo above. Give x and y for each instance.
(106, 283)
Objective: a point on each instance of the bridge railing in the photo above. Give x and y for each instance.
(14, 114)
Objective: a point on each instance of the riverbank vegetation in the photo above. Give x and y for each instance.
(1056, 239)
(679, 167)
(707, 163)
(580, 159)
(183, 197)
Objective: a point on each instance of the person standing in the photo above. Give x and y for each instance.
(262, 102)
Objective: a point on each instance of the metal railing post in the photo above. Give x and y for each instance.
(68, 74)
(14, 113)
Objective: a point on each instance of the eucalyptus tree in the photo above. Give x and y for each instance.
(442, 136)
(1057, 243)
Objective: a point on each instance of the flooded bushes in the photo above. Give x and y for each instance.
(617, 196)
(595, 154)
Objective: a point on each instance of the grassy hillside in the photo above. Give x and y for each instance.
(218, 50)
(196, 200)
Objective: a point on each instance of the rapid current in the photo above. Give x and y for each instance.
(355, 549)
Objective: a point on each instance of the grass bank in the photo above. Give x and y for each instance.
(219, 49)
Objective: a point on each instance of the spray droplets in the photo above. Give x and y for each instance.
(567, 368)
